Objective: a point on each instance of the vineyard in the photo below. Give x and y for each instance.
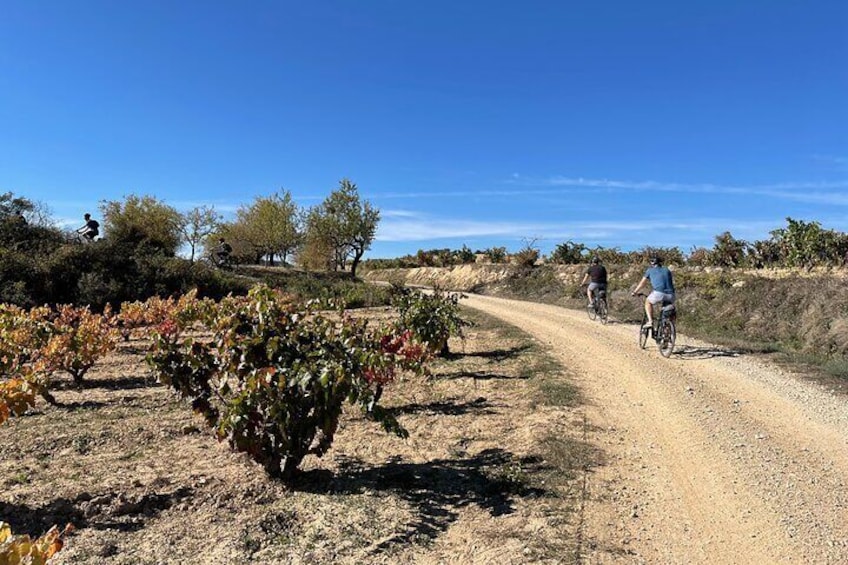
(100, 432)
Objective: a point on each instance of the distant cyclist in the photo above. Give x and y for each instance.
(222, 252)
(662, 284)
(596, 275)
(90, 229)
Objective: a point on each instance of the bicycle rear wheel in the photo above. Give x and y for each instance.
(593, 309)
(667, 335)
(603, 310)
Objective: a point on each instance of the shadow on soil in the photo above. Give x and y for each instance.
(494, 355)
(111, 511)
(122, 383)
(436, 489)
(477, 376)
(446, 408)
(108, 383)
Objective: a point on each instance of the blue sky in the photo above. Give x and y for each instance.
(610, 123)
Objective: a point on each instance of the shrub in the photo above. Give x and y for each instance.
(432, 318)
(17, 395)
(496, 254)
(22, 549)
(77, 339)
(569, 253)
(527, 257)
(274, 378)
(727, 251)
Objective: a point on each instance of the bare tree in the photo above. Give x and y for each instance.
(197, 224)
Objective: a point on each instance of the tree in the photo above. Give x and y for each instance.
(271, 225)
(346, 223)
(197, 224)
(11, 205)
(317, 251)
(143, 220)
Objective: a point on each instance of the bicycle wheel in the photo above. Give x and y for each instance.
(603, 311)
(668, 333)
(593, 309)
(643, 335)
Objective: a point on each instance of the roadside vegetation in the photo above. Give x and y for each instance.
(785, 295)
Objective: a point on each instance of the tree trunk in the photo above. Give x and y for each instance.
(355, 263)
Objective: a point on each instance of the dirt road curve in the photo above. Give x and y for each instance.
(708, 457)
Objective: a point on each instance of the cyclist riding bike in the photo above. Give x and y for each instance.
(596, 275)
(222, 252)
(90, 229)
(662, 284)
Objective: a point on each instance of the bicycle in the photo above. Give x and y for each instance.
(663, 331)
(225, 263)
(599, 308)
(77, 238)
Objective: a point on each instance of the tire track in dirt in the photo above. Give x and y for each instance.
(709, 458)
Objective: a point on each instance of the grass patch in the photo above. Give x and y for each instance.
(555, 392)
(545, 374)
(567, 458)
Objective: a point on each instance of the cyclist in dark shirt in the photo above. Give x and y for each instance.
(596, 275)
(90, 229)
(222, 251)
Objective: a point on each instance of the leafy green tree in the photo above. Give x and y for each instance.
(11, 205)
(197, 224)
(143, 220)
(317, 252)
(345, 222)
(271, 225)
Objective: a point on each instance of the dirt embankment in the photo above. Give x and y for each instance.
(473, 277)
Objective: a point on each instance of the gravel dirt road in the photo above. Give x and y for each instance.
(708, 456)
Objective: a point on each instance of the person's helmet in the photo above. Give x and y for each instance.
(86, 216)
(655, 260)
(596, 260)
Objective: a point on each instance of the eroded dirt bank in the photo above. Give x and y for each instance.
(709, 457)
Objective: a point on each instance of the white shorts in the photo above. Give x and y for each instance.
(657, 297)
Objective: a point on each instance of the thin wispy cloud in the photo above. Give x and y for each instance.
(692, 187)
(815, 192)
(412, 227)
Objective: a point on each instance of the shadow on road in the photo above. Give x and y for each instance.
(690, 352)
